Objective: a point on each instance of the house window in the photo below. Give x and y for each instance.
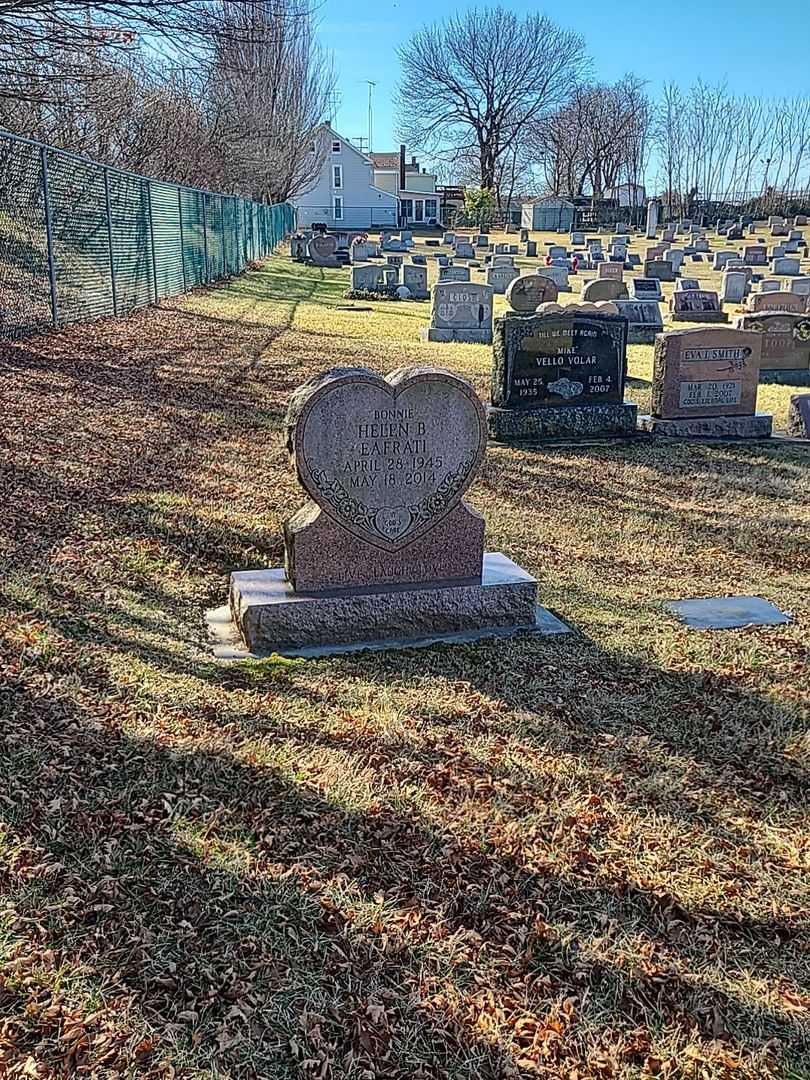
(338, 208)
(430, 208)
(407, 209)
(336, 146)
(420, 206)
(337, 176)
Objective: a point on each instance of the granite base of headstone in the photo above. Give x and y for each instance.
(798, 423)
(387, 553)
(560, 377)
(704, 385)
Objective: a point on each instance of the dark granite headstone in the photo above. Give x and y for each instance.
(558, 360)
(696, 305)
(644, 320)
(785, 339)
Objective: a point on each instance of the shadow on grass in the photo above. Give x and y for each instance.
(247, 870)
(250, 922)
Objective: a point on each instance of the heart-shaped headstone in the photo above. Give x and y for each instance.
(387, 458)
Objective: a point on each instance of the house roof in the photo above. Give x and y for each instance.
(389, 162)
(385, 161)
(346, 142)
(553, 200)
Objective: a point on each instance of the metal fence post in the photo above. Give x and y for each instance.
(205, 234)
(43, 157)
(110, 240)
(182, 239)
(222, 236)
(152, 238)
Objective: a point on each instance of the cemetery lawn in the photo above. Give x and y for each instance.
(582, 857)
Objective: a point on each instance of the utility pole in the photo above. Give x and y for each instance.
(371, 86)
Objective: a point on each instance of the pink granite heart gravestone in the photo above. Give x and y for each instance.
(386, 461)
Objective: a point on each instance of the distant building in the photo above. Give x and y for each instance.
(627, 194)
(414, 188)
(345, 195)
(551, 213)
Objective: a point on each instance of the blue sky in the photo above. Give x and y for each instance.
(745, 43)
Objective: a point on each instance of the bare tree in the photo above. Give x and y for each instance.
(240, 118)
(269, 89)
(596, 140)
(47, 46)
(471, 84)
(723, 149)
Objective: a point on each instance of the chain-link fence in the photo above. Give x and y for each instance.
(79, 240)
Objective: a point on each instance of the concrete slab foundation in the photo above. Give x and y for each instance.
(568, 422)
(786, 377)
(466, 337)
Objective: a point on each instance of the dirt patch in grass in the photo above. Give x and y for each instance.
(559, 858)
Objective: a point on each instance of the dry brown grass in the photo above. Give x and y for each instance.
(564, 858)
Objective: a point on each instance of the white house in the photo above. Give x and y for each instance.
(414, 187)
(627, 194)
(344, 195)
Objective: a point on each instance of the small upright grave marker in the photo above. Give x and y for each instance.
(696, 305)
(527, 292)
(705, 384)
(460, 311)
(785, 344)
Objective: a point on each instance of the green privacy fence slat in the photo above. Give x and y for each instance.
(213, 218)
(167, 229)
(193, 237)
(79, 240)
(132, 244)
(81, 249)
(25, 295)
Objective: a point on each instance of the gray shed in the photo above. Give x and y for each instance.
(549, 214)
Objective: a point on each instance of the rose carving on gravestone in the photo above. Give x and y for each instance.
(386, 458)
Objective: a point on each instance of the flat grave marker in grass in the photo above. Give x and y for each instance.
(727, 612)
